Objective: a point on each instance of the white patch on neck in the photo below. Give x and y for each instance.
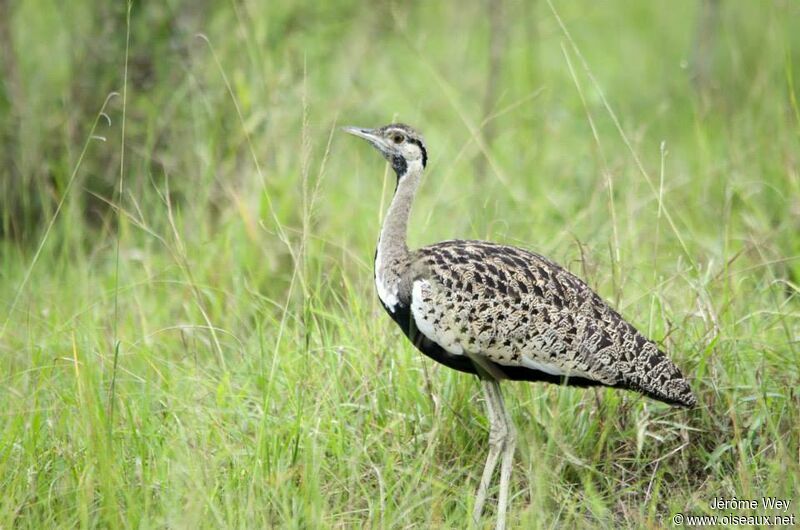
(414, 165)
(387, 293)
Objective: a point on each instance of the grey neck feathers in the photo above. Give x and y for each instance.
(392, 254)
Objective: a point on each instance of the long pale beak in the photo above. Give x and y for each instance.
(366, 134)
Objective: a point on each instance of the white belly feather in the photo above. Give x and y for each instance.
(426, 312)
(443, 329)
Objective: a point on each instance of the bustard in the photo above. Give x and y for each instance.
(501, 312)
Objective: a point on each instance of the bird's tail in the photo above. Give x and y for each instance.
(659, 378)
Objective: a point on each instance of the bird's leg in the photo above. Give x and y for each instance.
(507, 461)
(497, 435)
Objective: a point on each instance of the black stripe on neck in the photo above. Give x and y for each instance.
(399, 165)
(418, 143)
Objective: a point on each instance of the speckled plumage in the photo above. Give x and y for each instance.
(532, 319)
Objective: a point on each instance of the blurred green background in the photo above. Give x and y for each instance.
(190, 335)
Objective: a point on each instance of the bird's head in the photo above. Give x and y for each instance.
(401, 145)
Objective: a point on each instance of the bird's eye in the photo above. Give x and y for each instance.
(397, 138)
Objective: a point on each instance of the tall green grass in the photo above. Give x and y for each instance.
(256, 382)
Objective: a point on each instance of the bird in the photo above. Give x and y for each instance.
(503, 313)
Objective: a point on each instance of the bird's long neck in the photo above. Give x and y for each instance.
(392, 254)
(395, 224)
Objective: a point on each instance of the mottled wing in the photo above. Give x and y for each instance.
(533, 320)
